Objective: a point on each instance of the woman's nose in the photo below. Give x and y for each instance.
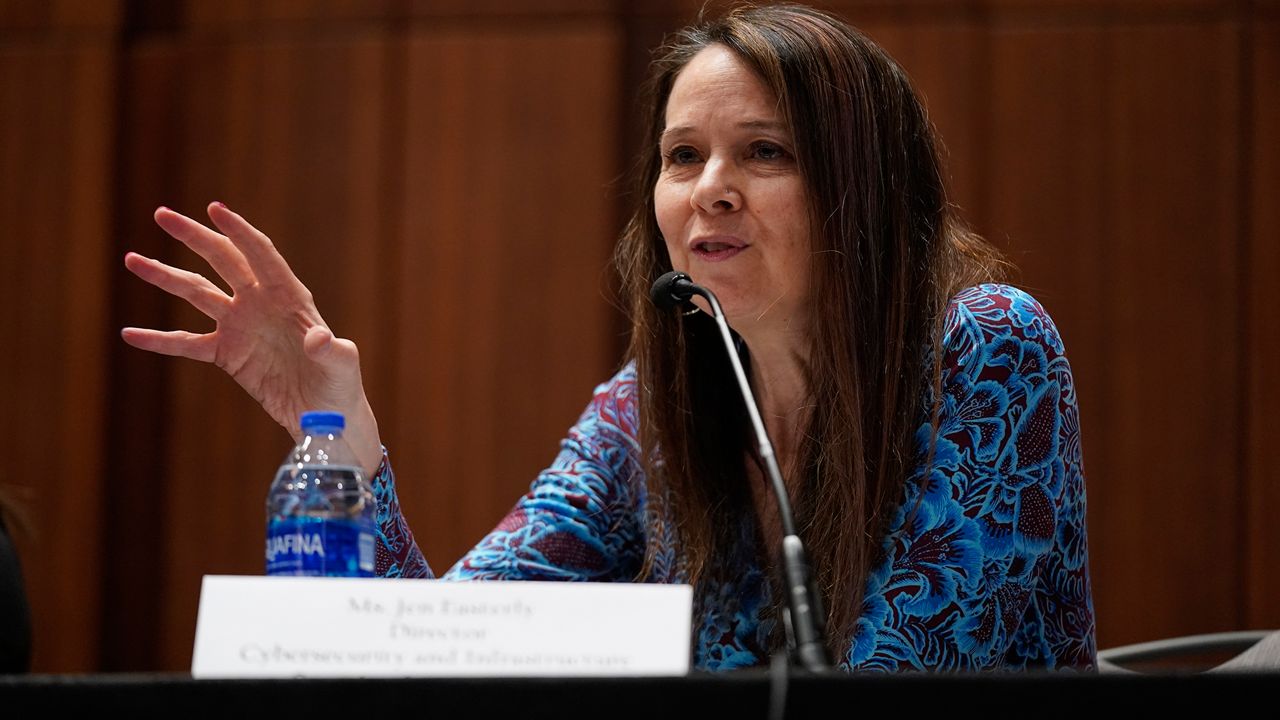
(716, 190)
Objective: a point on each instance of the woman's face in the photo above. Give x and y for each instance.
(729, 200)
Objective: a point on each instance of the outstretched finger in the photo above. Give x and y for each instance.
(266, 262)
(216, 249)
(178, 343)
(195, 289)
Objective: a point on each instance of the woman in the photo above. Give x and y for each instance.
(927, 428)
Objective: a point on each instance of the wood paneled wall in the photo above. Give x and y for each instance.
(59, 85)
(447, 178)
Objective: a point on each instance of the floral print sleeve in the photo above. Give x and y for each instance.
(396, 554)
(580, 520)
(985, 563)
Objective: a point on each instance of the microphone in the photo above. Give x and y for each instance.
(672, 289)
(803, 614)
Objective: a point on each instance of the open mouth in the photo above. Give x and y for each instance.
(716, 250)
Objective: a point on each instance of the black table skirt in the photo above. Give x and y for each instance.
(743, 694)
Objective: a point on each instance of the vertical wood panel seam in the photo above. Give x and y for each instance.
(1245, 342)
(620, 188)
(392, 207)
(1106, 378)
(117, 224)
(982, 124)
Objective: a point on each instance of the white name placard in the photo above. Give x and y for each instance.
(251, 627)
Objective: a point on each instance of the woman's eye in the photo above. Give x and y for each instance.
(768, 151)
(682, 155)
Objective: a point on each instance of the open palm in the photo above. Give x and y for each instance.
(269, 336)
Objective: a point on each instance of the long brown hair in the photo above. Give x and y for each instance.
(887, 254)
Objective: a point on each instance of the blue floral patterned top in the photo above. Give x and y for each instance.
(990, 572)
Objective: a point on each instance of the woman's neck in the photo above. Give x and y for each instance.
(778, 377)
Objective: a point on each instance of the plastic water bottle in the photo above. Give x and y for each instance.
(320, 511)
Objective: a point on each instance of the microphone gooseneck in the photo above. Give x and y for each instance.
(803, 617)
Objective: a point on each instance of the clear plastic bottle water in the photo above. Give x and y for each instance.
(320, 511)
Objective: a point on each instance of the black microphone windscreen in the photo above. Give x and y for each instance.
(670, 290)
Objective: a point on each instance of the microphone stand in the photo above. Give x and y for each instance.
(803, 616)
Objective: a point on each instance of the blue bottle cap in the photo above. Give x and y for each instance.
(323, 420)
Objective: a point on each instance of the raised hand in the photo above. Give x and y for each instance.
(269, 337)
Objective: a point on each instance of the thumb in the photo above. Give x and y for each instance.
(336, 354)
(318, 342)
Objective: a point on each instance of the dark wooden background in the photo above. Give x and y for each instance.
(446, 177)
